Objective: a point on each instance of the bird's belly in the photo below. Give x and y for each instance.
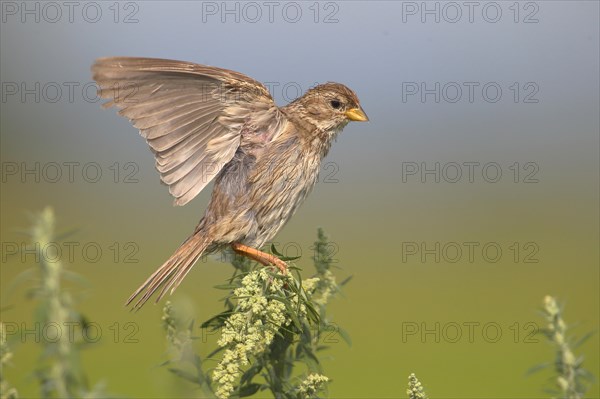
(256, 194)
(278, 189)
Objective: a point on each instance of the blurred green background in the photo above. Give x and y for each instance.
(383, 214)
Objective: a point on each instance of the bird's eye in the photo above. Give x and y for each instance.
(336, 104)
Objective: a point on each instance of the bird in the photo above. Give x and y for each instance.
(205, 123)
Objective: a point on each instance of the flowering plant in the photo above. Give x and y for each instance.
(273, 321)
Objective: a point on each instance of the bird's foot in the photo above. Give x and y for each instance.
(259, 256)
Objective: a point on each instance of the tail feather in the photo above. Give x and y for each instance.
(172, 272)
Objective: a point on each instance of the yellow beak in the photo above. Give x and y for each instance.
(357, 115)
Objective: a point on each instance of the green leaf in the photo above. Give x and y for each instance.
(346, 280)
(537, 368)
(581, 340)
(197, 362)
(289, 258)
(250, 373)
(312, 314)
(250, 389)
(293, 315)
(185, 375)
(299, 351)
(345, 336)
(217, 320)
(311, 360)
(586, 375)
(211, 354)
(66, 234)
(274, 251)
(226, 286)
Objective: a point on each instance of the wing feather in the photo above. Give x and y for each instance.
(193, 117)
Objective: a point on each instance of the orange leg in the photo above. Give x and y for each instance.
(259, 256)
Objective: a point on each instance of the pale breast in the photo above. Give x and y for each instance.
(260, 189)
(282, 178)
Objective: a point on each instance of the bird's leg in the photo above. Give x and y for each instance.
(259, 256)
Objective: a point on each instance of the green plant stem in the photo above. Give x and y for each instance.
(277, 357)
(56, 312)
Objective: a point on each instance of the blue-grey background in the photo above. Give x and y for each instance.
(541, 134)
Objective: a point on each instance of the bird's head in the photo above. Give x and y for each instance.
(329, 107)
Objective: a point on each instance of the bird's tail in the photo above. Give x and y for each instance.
(173, 271)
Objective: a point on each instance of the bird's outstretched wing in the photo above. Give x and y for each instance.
(192, 116)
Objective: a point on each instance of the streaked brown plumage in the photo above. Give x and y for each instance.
(204, 123)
